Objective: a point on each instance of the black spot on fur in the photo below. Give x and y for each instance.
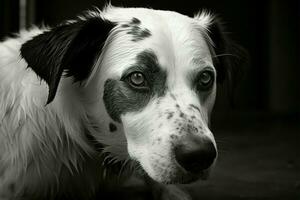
(170, 115)
(72, 47)
(112, 127)
(125, 25)
(174, 137)
(182, 115)
(120, 97)
(191, 128)
(138, 33)
(135, 21)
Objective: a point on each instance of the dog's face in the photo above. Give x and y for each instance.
(162, 90)
(156, 79)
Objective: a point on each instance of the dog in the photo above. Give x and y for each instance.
(115, 92)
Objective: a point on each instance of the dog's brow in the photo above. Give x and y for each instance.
(198, 61)
(148, 59)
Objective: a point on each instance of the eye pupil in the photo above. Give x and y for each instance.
(205, 78)
(137, 78)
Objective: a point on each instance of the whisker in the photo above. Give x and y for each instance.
(225, 54)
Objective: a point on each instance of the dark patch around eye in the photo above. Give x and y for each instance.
(156, 77)
(116, 99)
(119, 97)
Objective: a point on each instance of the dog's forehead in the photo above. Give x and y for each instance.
(178, 41)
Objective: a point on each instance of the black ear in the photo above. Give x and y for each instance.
(71, 47)
(228, 57)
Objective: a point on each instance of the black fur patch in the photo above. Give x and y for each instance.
(135, 21)
(72, 47)
(229, 58)
(136, 31)
(139, 33)
(227, 55)
(120, 97)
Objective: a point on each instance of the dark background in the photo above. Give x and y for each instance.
(257, 136)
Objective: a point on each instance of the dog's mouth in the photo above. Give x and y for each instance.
(188, 178)
(179, 176)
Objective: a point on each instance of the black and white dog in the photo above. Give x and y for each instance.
(122, 90)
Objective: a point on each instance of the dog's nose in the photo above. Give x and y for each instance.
(195, 154)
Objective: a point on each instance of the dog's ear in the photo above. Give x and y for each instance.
(228, 57)
(72, 47)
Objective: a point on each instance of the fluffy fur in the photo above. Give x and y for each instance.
(56, 135)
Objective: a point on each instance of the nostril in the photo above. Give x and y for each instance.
(195, 156)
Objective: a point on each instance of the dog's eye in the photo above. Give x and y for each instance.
(205, 80)
(137, 79)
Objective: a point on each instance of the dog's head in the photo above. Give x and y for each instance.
(151, 75)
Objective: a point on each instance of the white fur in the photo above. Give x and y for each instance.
(38, 140)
